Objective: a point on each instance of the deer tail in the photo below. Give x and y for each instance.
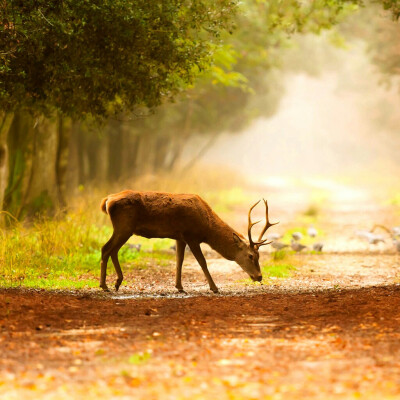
(103, 205)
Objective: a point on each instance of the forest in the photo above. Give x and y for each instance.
(290, 101)
(96, 93)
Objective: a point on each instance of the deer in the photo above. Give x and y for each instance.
(186, 218)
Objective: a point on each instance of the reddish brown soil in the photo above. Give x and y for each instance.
(322, 344)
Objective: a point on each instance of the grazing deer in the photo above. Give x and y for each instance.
(189, 220)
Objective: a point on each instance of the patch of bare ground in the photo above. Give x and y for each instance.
(323, 344)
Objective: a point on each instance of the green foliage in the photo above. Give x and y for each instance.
(393, 6)
(104, 56)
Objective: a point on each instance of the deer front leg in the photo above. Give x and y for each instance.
(180, 255)
(196, 250)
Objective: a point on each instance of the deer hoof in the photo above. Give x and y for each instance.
(215, 290)
(118, 284)
(105, 288)
(181, 291)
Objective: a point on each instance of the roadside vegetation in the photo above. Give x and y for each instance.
(63, 252)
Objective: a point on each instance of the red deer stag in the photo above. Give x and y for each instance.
(189, 220)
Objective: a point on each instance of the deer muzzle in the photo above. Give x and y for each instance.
(256, 278)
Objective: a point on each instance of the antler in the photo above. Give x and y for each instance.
(251, 224)
(267, 223)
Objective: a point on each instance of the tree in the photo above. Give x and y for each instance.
(103, 56)
(99, 58)
(244, 80)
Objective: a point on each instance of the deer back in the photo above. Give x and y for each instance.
(160, 215)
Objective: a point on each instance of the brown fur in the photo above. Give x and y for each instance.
(187, 218)
(103, 205)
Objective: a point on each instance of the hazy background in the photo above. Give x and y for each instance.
(338, 121)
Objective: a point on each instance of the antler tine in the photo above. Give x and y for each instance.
(251, 224)
(264, 242)
(267, 223)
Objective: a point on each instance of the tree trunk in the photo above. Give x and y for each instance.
(160, 152)
(145, 158)
(210, 142)
(5, 125)
(177, 145)
(83, 160)
(115, 145)
(180, 141)
(102, 157)
(134, 155)
(63, 132)
(42, 193)
(32, 184)
(73, 165)
(21, 150)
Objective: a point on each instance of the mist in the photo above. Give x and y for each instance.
(339, 121)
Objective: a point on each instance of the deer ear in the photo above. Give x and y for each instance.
(237, 238)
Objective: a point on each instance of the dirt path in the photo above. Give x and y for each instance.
(332, 330)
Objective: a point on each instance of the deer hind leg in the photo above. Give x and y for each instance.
(196, 250)
(180, 255)
(119, 241)
(105, 255)
(111, 248)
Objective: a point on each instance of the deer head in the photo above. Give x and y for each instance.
(248, 255)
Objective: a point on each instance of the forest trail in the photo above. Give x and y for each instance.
(331, 330)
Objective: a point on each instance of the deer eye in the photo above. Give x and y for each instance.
(251, 256)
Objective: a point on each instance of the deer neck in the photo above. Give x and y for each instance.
(221, 239)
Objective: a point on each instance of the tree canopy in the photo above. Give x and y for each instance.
(98, 57)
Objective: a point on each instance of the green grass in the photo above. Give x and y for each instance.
(278, 270)
(65, 254)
